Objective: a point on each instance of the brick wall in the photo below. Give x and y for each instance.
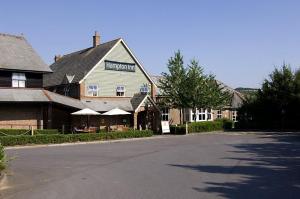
(21, 116)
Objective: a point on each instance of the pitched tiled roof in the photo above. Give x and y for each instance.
(106, 104)
(17, 54)
(77, 64)
(37, 95)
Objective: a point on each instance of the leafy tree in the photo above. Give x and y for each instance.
(277, 103)
(190, 87)
(203, 91)
(172, 83)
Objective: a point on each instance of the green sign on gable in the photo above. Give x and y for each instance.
(119, 66)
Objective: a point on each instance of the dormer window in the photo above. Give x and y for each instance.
(120, 90)
(144, 89)
(18, 80)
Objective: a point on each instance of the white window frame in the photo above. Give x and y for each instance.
(234, 116)
(144, 89)
(120, 90)
(93, 90)
(219, 114)
(201, 115)
(18, 80)
(165, 114)
(209, 116)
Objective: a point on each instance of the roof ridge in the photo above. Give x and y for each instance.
(10, 35)
(91, 47)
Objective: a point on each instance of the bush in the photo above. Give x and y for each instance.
(46, 131)
(177, 130)
(206, 126)
(2, 158)
(62, 138)
(5, 132)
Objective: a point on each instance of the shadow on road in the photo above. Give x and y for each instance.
(269, 168)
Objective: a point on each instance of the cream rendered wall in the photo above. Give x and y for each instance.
(108, 80)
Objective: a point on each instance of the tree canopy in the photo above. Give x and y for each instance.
(189, 87)
(277, 103)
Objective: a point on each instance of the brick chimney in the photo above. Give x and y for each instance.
(96, 39)
(57, 57)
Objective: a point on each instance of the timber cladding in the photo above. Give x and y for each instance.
(108, 80)
(33, 80)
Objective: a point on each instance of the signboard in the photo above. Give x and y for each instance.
(119, 66)
(165, 127)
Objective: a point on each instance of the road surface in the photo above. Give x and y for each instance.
(261, 165)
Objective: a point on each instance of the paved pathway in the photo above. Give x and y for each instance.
(198, 166)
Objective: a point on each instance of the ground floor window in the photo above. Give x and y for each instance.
(165, 114)
(234, 116)
(209, 114)
(202, 114)
(219, 114)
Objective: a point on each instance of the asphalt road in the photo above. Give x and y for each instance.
(199, 166)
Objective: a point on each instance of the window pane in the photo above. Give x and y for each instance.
(22, 83)
(15, 83)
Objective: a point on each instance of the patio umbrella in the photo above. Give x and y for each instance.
(86, 112)
(116, 111)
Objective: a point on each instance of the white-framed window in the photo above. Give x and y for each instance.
(18, 80)
(165, 114)
(209, 114)
(202, 114)
(234, 116)
(219, 114)
(144, 89)
(120, 91)
(92, 90)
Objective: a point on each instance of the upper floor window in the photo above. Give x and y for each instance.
(120, 91)
(165, 114)
(92, 90)
(144, 89)
(18, 80)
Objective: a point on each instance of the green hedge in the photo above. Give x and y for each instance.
(61, 138)
(4, 132)
(2, 158)
(206, 126)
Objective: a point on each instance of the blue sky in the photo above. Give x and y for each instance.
(239, 41)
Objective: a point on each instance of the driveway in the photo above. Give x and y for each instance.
(212, 166)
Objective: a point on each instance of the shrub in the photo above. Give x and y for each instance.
(46, 131)
(4, 132)
(177, 130)
(205, 126)
(64, 138)
(2, 158)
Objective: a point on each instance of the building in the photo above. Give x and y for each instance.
(173, 115)
(23, 101)
(105, 76)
